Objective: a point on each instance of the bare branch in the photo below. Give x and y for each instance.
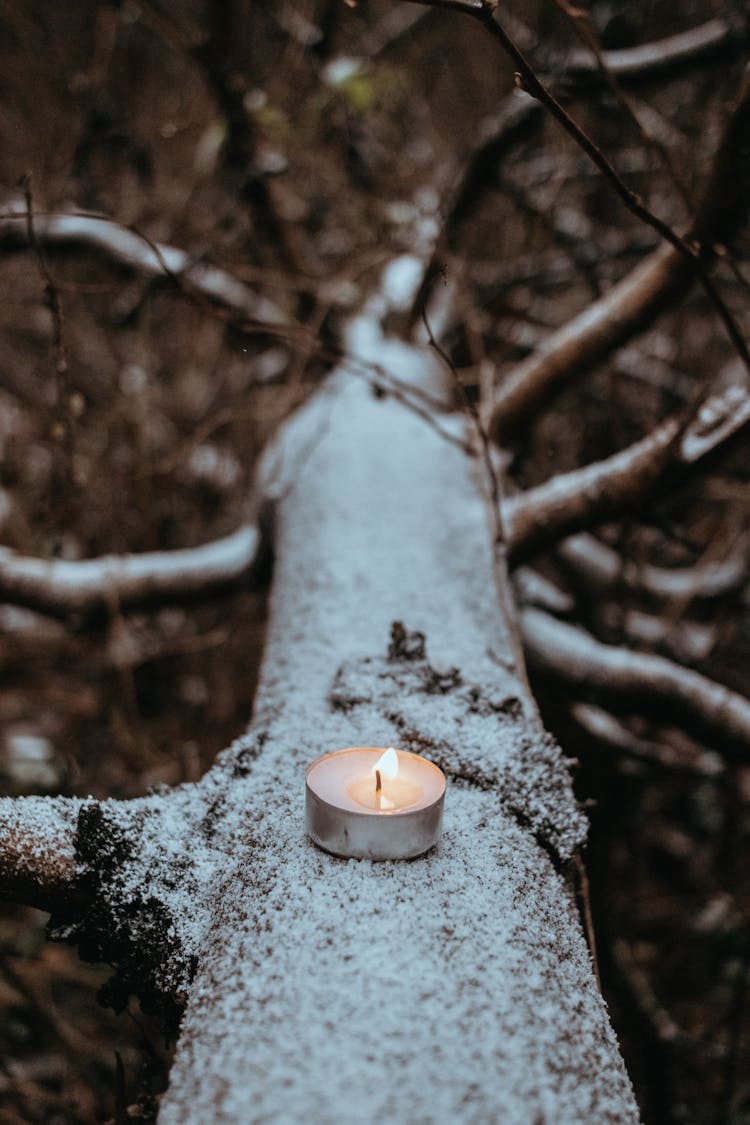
(60, 587)
(637, 299)
(129, 248)
(633, 303)
(572, 501)
(623, 678)
(584, 28)
(37, 852)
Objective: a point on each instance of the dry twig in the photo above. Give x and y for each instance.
(607, 323)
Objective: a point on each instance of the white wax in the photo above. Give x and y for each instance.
(345, 778)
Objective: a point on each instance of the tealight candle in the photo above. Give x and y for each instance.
(368, 803)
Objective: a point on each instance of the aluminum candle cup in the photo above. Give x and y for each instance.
(369, 803)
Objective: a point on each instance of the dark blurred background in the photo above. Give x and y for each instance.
(298, 145)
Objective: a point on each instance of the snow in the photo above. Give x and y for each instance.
(35, 845)
(453, 988)
(68, 585)
(150, 257)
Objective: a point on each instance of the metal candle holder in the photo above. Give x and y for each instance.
(354, 807)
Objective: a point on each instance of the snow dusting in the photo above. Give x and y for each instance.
(453, 988)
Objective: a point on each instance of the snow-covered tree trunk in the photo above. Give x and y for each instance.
(456, 987)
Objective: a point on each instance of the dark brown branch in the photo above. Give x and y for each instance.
(129, 248)
(625, 679)
(719, 212)
(61, 587)
(530, 81)
(636, 300)
(582, 498)
(584, 28)
(626, 309)
(514, 121)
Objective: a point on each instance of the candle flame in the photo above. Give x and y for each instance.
(387, 765)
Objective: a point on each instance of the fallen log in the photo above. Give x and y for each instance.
(454, 987)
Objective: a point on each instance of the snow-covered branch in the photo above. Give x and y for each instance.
(37, 852)
(61, 586)
(605, 731)
(623, 678)
(624, 310)
(543, 515)
(584, 497)
(686, 47)
(129, 248)
(602, 566)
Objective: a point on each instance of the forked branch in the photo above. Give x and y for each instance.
(627, 308)
(634, 302)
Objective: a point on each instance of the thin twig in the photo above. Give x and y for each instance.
(506, 600)
(584, 897)
(581, 22)
(50, 289)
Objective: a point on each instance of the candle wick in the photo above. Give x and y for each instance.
(378, 781)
